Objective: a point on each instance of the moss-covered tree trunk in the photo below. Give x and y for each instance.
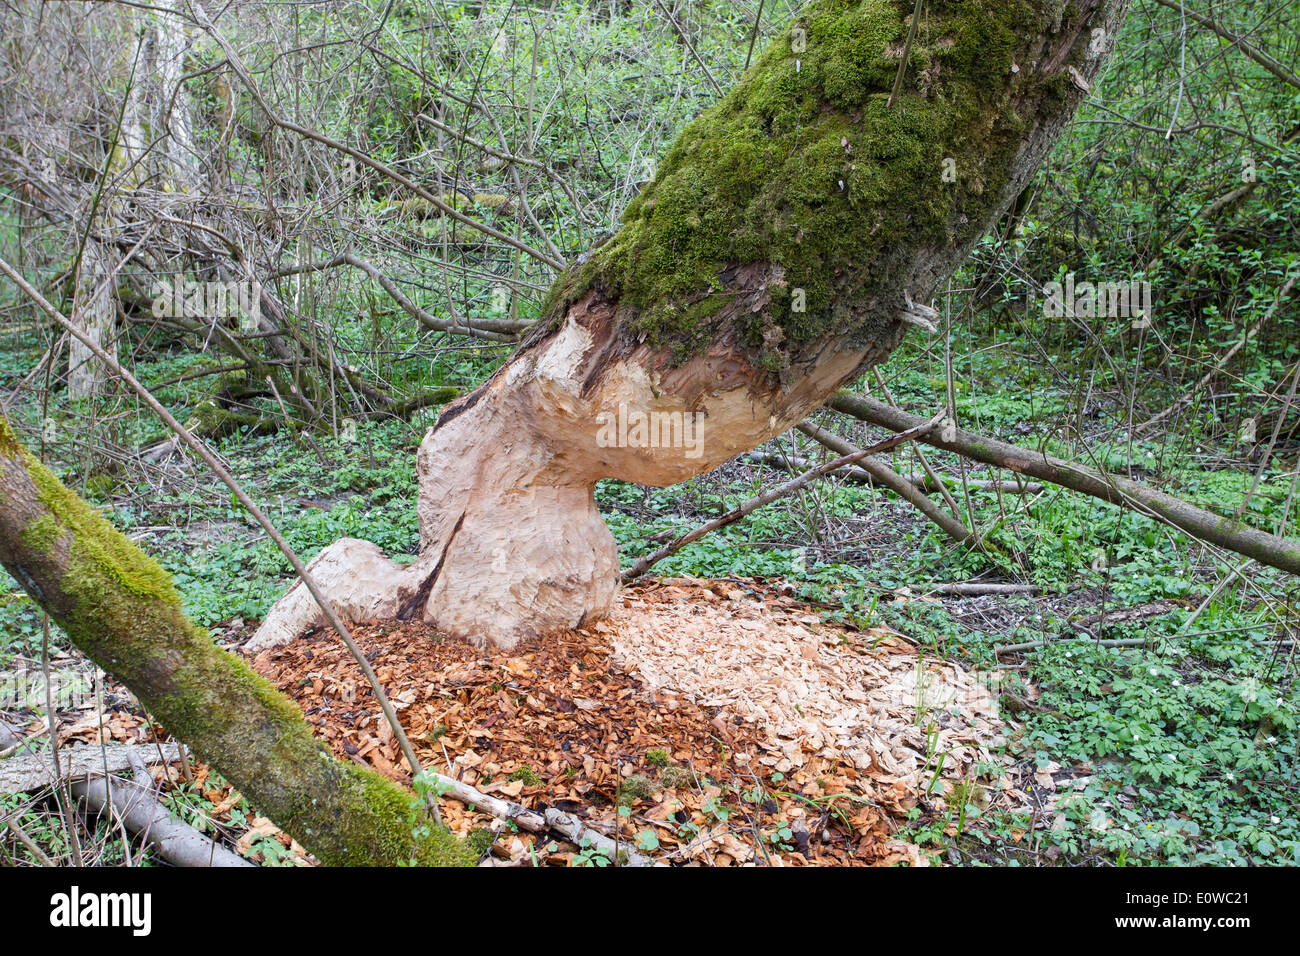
(786, 242)
(121, 609)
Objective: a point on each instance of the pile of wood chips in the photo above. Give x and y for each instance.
(813, 690)
(728, 722)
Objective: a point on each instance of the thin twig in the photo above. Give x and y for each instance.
(21, 835)
(691, 47)
(907, 50)
(275, 119)
(753, 35)
(886, 476)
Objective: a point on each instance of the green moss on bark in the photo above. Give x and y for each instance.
(805, 166)
(210, 420)
(8, 442)
(100, 555)
(121, 608)
(41, 534)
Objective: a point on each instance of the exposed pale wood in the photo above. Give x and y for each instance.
(511, 544)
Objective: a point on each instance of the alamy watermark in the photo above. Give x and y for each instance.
(635, 428)
(77, 909)
(1117, 300)
(209, 300)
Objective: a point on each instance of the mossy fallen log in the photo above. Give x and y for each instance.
(121, 609)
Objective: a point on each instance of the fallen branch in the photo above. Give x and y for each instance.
(1032, 645)
(204, 453)
(24, 773)
(939, 485)
(21, 836)
(796, 464)
(983, 484)
(139, 811)
(407, 407)
(767, 497)
(8, 736)
(200, 373)
(20, 741)
(975, 589)
(1229, 201)
(1236, 536)
(883, 475)
(1123, 614)
(536, 821)
(860, 476)
(1117, 616)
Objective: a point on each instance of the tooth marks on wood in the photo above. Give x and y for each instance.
(415, 606)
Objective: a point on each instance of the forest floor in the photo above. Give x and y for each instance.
(719, 722)
(1150, 720)
(703, 722)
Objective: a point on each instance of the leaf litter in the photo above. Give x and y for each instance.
(704, 722)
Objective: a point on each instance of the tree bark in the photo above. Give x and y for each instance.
(136, 806)
(121, 609)
(96, 287)
(95, 314)
(788, 239)
(173, 110)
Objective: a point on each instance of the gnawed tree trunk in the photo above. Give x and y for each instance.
(788, 239)
(120, 608)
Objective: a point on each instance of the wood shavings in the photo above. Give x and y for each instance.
(720, 712)
(809, 689)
